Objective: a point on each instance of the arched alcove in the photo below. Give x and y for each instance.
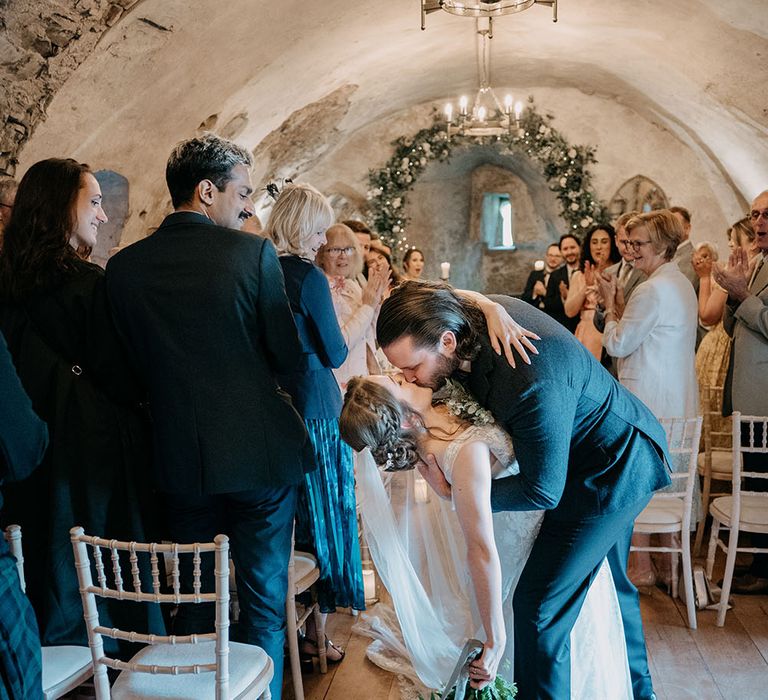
(445, 218)
(639, 193)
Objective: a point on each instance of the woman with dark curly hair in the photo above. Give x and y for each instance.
(423, 565)
(55, 317)
(599, 251)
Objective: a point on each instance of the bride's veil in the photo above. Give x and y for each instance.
(419, 553)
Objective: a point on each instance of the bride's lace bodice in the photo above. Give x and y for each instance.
(499, 444)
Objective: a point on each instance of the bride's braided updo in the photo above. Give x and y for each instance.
(372, 417)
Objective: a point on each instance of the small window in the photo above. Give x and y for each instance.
(498, 221)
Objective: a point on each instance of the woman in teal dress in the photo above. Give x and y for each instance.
(326, 517)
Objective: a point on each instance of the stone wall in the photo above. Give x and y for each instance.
(42, 42)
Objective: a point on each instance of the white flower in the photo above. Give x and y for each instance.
(572, 153)
(404, 163)
(563, 181)
(422, 161)
(395, 229)
(542, 129)
(408, 178)
(574, 207)
(426, 147)
(584, 222)
(396, 203)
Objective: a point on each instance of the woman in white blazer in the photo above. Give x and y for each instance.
(654, 339)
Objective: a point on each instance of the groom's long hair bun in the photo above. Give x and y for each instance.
(373, 418)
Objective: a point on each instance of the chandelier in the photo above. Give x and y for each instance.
(487, 115)
(479, 9)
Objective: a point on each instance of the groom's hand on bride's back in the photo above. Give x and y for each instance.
(433, 475)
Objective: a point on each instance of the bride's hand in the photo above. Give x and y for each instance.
(482, 671)
(506, 333)
(434, 476)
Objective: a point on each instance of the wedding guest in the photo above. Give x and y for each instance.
(356, 309)
(381, 261)
(413, 264)
(23, 439)
(8, 187)
(363, 235)
(557, 290)
(326, 516)
(627, 278)
(203, 309)
(536, 286)
(746, 320)
(55, 317)
(684, 259)
(600, 251)
(655, 337)
(684, 253)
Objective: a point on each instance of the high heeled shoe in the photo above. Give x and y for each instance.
(308, 650)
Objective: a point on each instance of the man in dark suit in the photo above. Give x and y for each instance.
(536, 287)
(203, 309)
(590, 454)
(560, 281)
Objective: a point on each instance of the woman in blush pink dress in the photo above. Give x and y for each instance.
(600, 251)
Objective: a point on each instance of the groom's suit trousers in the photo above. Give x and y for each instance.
(564, 561)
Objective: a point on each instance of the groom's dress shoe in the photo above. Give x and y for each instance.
(749, 585)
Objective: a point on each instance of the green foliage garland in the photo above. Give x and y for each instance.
(565, 166)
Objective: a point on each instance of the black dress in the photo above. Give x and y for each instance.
(96, 470)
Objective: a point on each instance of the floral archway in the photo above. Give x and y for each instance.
(565, 166)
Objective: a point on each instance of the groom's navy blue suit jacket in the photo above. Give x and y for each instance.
(586, 445)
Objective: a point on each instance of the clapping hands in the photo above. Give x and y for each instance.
(734, 277)
(609, 290)
(378, 282)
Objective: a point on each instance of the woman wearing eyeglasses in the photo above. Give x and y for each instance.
(356, 308)
(654, 338)
(326, 515)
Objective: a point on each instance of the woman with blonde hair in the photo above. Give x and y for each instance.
(326, 518)
(356, 308)
(654, 340)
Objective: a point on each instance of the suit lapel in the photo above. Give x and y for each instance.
(482, 367)
(632, 282)
(761, 281)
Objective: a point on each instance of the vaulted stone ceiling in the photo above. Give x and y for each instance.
(319, 88)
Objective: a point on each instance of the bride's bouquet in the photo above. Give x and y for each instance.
(500, 689)
(458, 687)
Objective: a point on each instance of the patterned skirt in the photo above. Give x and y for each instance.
(20, 667)
(326, 519)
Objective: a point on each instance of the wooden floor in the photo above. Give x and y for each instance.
(729, 663)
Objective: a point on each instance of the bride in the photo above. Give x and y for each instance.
(417, 550)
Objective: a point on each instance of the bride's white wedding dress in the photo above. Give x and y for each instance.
(418, 548)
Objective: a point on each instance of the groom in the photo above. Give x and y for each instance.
(590, 455)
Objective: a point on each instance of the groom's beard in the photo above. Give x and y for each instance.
(446, 366)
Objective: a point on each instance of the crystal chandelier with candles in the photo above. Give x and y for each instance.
(487, 116)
